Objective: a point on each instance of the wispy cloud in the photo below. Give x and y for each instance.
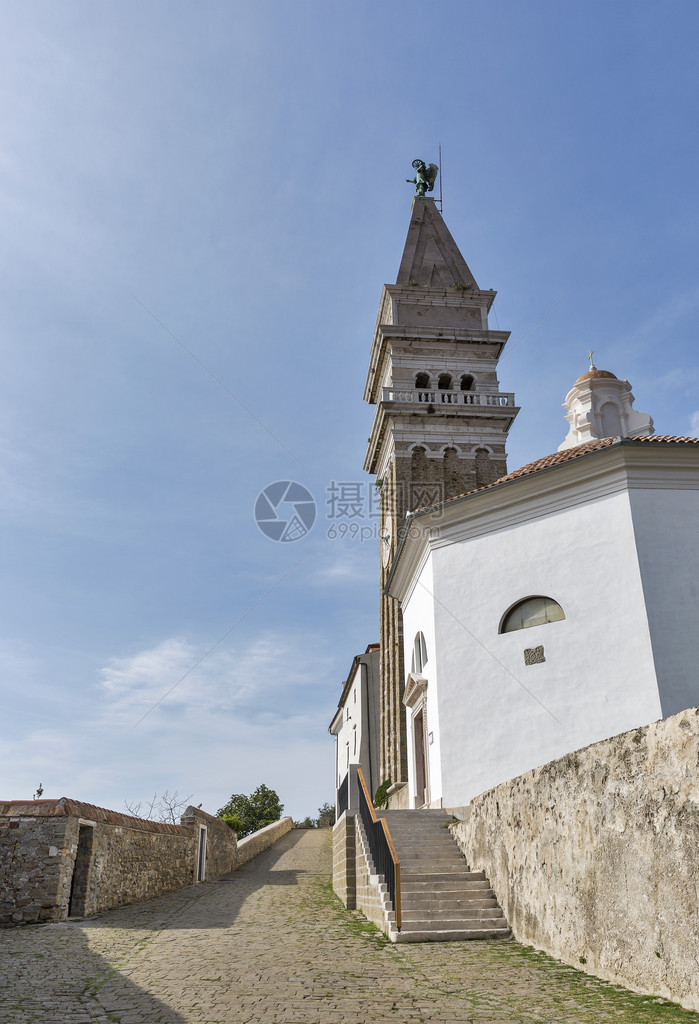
(257, 677)
(347, 566)
(657, 324)
(694, 424)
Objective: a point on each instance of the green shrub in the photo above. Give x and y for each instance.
(381, 794)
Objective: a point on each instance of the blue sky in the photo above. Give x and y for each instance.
(234, 174)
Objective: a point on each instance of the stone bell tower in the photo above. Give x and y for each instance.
(441, 421)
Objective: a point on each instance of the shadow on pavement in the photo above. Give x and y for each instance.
(51, 976)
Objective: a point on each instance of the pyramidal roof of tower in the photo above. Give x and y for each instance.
(431, 257)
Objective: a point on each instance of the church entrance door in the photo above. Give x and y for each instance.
(421, 796)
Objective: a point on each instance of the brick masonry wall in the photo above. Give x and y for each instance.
(593, 857)
(344, 872)
(370, 892)
(354, 880)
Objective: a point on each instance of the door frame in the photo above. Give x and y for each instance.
(415, 701)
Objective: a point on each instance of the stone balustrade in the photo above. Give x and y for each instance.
(438, 397)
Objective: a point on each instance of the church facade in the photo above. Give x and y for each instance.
(523, 615)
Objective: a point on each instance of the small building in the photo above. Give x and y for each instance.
(66, 858)
(355, 725)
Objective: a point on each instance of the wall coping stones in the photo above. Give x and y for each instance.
(65, 807)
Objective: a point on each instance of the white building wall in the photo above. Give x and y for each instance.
(493, 717)
(418, 616)
(669, 563)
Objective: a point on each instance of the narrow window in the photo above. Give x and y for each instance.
(533, 611)
(419, 654)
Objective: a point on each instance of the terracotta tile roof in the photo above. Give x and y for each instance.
(567, 455)
(65, 807)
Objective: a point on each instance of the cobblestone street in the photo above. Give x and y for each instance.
(272, 944)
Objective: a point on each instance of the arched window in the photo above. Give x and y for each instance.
(419, 654)
(444, 383)
(611, 420)
(533, 611)
(422, 380)
(467, 382)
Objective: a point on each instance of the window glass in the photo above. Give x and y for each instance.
(419, 654)
(535, 611)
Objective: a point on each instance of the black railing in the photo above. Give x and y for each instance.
(343, 796)
(381, 846)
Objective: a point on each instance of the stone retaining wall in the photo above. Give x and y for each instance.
(593, 857)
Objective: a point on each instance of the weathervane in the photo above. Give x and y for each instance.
(425, 177)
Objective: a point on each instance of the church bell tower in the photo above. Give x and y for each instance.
(441, 421)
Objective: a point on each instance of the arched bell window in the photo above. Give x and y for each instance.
(467, 382)
(444, 383)
(422, 380)
(533, 611)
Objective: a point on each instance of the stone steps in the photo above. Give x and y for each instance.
(442, 900)
(451, 935)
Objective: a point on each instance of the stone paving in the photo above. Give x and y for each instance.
(272, 944)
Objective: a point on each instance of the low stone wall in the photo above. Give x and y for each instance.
(61, 857)
(593, 857)
(64, 857)
(260, 841)
(131, 865)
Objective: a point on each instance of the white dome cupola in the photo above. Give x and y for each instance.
(600, 405)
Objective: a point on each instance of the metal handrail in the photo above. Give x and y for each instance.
(383, 851)
(343, 796)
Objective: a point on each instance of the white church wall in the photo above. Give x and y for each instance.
(497, 717)
(418, 616)
(669, 563)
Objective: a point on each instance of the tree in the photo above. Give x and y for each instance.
(169, 807)
(246, 814)
(326, 813)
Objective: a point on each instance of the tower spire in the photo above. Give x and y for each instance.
(431, 257)
(441, 421)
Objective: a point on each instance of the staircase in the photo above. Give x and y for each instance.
(441, 899)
